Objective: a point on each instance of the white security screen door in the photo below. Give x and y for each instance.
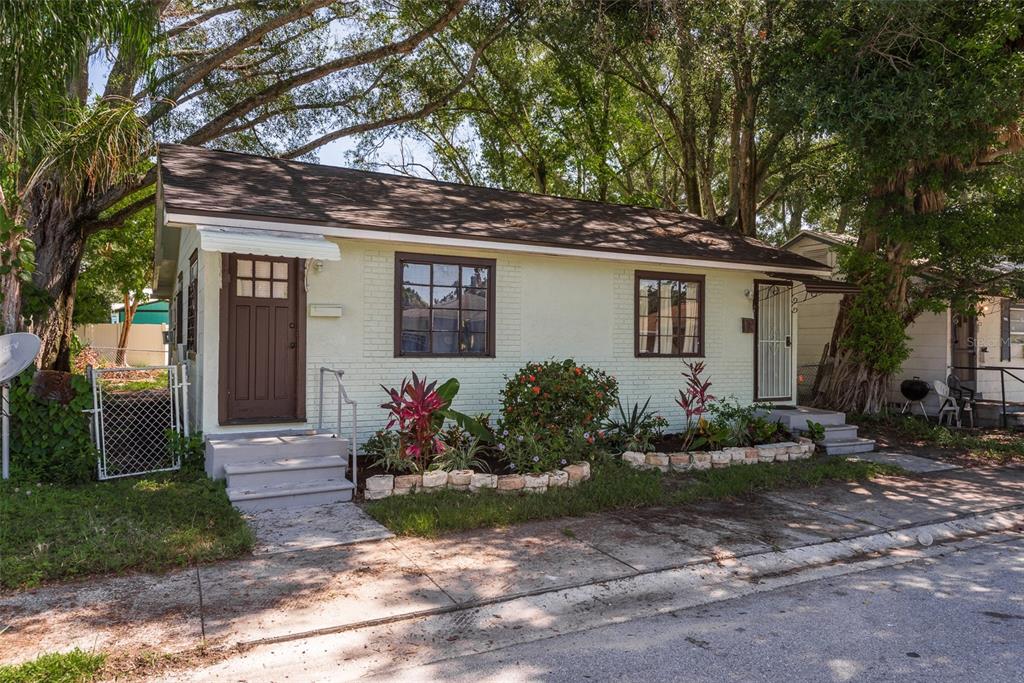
(774, 340)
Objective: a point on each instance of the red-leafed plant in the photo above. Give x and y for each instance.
(694, 400)
(414, 407)
(418, 411)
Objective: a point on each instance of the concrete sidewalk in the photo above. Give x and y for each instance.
(291, 595)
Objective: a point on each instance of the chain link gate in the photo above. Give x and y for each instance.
(134, 409)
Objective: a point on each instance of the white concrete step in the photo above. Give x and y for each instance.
(797, 417)
(285, 471)
(291, 495)
(222, 450)
(840, 433)
(858, 445)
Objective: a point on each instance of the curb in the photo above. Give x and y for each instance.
(702, 574)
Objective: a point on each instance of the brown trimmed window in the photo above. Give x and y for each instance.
(179, 318)
(669, 314)
(444, 306)
(193, 299)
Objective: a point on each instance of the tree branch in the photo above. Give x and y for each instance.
(206, 66)
(425, 110)
(216, 126)
(203, 18)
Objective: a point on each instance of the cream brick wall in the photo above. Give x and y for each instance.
(547, 307)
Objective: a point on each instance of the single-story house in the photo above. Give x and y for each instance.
(278, 268)
(971, 347)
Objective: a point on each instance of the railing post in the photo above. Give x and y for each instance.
(1002, 390)
(320, 405)
(352, 444)
(183, 381)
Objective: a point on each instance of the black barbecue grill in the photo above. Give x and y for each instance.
(914, 390)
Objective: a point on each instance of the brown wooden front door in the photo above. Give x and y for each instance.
(263, 332)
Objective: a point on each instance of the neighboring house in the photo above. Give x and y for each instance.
(276, 268)
(147, 313)
(941, 343)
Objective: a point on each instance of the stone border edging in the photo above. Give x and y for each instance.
(385, 485)
(727, 457)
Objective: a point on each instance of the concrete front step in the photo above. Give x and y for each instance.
(285, 471)
(858, 445)
(222, 450)
(840, 433)
(797, 417)
(291, 495)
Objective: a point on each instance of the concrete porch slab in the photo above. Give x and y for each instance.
(320, 526)
(910, 463)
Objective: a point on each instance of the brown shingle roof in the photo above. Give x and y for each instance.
(197, 180)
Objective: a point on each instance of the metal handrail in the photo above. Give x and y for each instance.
(343, 399)
(1003, 372)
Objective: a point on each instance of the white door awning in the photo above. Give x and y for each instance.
(267, 243)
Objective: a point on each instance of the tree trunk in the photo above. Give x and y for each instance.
(11, 284)
(844, 382)
(131, 304)
(850, 379)
(59, 249)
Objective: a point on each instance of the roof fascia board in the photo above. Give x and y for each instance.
(469, 243)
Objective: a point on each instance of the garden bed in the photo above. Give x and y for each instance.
(613, 485)
(53, 532)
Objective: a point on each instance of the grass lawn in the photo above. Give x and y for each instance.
(613, 485)
(150, 523)
(67, 667)
(981, 446)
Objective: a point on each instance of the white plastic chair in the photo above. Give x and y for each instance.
(947, 404)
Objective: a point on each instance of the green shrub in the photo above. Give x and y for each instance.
(192, 451)
(636, 429)
(384, 450)
(50, 442)
(557, 394)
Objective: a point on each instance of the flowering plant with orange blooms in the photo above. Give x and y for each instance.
(558, 394)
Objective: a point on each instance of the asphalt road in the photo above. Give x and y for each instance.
(959, 617)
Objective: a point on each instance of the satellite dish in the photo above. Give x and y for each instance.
(17, 351)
